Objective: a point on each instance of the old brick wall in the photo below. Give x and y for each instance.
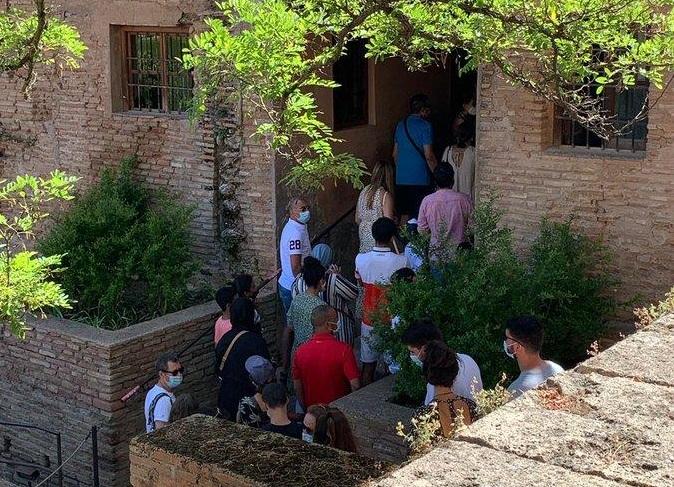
(625, 198)
(211, 453)
(77, 126)
(67, 377)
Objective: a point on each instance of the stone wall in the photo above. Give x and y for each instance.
(79, 127)
(374, 418)
(607, 423)
(624, 198)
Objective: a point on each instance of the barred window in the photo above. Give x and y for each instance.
(623, 105)
(350, 99)
(155, 79)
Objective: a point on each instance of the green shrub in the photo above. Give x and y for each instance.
(126, 251)
(562, 282)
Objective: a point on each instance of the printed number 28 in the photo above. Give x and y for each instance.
(295, 244)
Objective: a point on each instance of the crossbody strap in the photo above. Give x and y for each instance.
(229, 349)
(414, 144)
(153, 406)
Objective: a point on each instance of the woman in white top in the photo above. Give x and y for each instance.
(375, 201)
(461, 156)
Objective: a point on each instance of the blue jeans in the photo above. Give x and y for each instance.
(286, 296)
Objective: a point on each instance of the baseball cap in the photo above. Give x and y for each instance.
(260, 369)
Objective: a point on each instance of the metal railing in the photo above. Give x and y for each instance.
(37, 468)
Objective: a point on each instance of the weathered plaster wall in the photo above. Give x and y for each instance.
(626, 199)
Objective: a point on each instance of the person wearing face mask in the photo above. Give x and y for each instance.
(468, 380)
(339, 292)
(327, 425)
(160, 398)
(324, 369)
(523, 342)
(414, 158)
(298, 329)
(294, 247)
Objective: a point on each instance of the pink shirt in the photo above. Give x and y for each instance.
(222, 326)
(445, 212)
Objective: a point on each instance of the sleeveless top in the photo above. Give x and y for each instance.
(368, 216)
(463, 163)
(449, 411)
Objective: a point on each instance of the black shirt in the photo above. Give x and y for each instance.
(235, 383)
(294, 430)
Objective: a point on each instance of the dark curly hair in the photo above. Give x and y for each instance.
(441, 365)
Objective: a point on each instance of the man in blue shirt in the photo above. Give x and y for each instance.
(414, 157)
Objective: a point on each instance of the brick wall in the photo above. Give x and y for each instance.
(78, 128)
(67, 377)
(626, 199)
(211, 453)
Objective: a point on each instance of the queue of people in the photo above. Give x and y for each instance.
(328, 348)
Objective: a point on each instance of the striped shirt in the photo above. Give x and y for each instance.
(339, 293)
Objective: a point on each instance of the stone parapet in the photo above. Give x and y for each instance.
(608, 422)
(208, 452)
(373, 418)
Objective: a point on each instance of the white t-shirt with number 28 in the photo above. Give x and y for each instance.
(294, 241)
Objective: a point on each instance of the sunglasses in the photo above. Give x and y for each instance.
(174, 372)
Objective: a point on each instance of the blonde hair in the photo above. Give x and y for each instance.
(383, 176)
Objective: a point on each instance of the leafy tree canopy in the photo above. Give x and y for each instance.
(564, 51)
(31, 38)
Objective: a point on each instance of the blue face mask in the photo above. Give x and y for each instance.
(174, 381)
(307, 437)
(304, 217)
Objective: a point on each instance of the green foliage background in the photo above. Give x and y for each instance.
(278, 53)
(563, 281)
(26, 278)
(126, 251)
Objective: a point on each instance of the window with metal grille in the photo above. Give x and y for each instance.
(350, 99)
(155, 78)
(623, 106)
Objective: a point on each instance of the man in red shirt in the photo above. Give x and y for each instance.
(324, 368)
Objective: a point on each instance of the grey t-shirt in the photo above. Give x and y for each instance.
(530, 379)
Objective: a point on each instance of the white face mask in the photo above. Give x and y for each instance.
(307, 437)
(507, 350)
(416, 360)
(336, 328)
(472, 110)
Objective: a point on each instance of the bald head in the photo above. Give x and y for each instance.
(322, 317)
